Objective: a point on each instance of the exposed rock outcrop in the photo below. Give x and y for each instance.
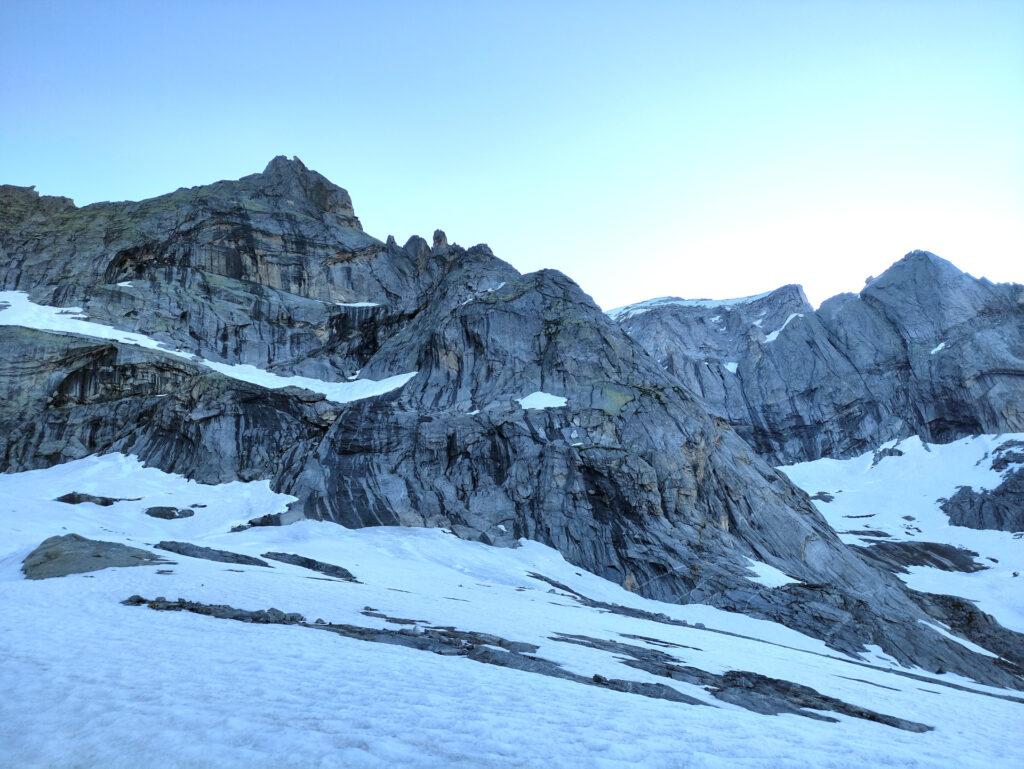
(752, 691)
(210, 553)
(999, 508)
(169, 513)
(74, 554)
(78, 498)
(327, 569)
(897, 556)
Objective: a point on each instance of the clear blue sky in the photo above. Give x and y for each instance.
(645, 148)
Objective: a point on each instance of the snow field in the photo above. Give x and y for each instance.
(911, 485)
(90, 682)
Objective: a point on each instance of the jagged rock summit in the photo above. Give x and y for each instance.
(924, 349)
(251, 330)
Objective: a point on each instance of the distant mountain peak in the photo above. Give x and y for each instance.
(292, 181)
(282, 164)
(787, 293)
(918, 265)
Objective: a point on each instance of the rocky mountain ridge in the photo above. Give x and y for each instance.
(631, 478)
(924, 349)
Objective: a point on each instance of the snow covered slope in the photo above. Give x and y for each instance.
(883, 499)
(582, 673)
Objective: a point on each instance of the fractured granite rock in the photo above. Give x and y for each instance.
(897, 556)
(999, 508)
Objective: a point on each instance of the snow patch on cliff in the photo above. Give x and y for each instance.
(769, 576)
(16, 309)
(775, 334)
(542, 400)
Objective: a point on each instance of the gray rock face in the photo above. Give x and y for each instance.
(897, 556)
(969, 621)
(264, 270)
(74, 554)
(64, 397)
(924, 349)
(632, 478)
(999, 508)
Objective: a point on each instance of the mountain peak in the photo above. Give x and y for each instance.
(17, 203)
(918, 266)
(281, 165)
(790, 294)
(291, 180)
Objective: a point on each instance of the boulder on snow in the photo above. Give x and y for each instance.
(77, 498)
(328, 569)
(209, 553)
(74, 554)
(169, 513)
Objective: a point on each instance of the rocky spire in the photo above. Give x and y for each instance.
(294, 182)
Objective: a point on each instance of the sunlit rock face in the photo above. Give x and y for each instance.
(619, 464)
(924, 349)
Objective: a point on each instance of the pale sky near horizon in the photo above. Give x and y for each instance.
(646, 148)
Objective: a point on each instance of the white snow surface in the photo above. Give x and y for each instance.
(944, 631)
(632, 310)
(938, 348)
(91, 683)
(775, 334)
(16, 309)
(542, 400)
(900, 495)
(731, 366)
(358, 304)
(768, 575)
(339, 392)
